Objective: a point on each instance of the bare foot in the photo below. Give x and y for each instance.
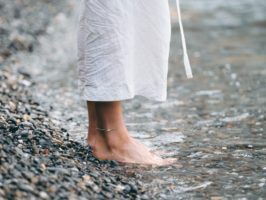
(120, 146)
(135, 152)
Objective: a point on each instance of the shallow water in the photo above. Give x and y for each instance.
(214, 124)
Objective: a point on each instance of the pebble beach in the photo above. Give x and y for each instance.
(214, 124)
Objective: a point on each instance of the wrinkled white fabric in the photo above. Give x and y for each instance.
(123, 49)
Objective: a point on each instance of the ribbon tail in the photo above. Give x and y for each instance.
(185, 55)
(187, 67)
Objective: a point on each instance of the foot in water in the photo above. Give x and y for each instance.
(118, 145)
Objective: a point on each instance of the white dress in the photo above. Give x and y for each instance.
(123, 49)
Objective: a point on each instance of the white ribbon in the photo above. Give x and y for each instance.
(185, 55)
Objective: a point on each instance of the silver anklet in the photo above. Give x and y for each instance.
(106, 130)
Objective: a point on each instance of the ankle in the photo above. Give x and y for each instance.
(117, 139)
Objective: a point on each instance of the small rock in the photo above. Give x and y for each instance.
(44, 195)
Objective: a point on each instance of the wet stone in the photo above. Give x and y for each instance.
(13, 128)
(26, 188)
(24, 133)
(43, 195)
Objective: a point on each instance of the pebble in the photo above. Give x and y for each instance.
(26, 188)
(44, 195)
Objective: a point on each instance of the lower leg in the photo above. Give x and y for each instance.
(92, 122)
(109, 115)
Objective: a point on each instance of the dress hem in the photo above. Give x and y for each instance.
(86, 98)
